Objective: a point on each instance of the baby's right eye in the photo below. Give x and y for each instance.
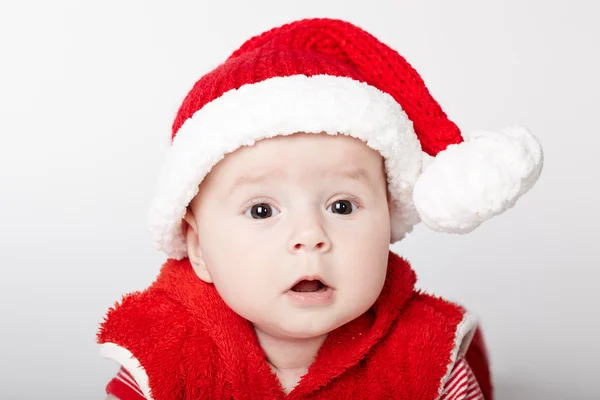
(261, 211)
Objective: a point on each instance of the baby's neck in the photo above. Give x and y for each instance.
(289, 358)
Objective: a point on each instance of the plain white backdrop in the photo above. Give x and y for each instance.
(88, 91)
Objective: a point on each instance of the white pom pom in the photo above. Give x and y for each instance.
(482, 177)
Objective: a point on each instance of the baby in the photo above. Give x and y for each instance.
(293, 167)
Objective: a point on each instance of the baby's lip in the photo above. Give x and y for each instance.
(310, 278)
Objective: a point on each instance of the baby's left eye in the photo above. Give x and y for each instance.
(343, 207)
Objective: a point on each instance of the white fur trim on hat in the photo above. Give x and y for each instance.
(471, 182)
(284, 106)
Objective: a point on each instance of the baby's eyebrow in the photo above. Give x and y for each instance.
(244, 180)
(357, 174)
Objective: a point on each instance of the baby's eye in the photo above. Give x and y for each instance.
(343, 207)
(261, 211)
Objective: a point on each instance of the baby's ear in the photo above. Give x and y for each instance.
(190, 232)
(390, 202)
(391, 210)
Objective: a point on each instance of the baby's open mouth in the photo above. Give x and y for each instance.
(309, 286)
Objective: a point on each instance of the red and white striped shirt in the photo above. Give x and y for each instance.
(461, 385)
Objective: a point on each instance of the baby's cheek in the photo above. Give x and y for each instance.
(239, 275)
(366, 264)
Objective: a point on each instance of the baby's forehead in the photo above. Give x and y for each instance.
(304, 155)
(306, 151)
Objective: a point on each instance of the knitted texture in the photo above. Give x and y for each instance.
(331, 47)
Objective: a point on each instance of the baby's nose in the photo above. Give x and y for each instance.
(314, 239)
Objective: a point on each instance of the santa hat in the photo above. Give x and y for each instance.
(323, 75)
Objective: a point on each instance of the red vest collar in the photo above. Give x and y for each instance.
(238, 345)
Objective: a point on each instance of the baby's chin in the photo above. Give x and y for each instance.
(299, 328)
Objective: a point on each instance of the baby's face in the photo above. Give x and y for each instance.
(294, 232)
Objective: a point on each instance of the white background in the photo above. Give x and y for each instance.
(88, 91)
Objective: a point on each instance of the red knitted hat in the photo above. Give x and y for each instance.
(323, 75)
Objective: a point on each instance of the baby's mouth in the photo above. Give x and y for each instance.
(310, 286)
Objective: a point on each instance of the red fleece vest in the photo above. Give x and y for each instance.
(191, 345)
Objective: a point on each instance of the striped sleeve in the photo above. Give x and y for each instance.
(461, 385)
(124, 387)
